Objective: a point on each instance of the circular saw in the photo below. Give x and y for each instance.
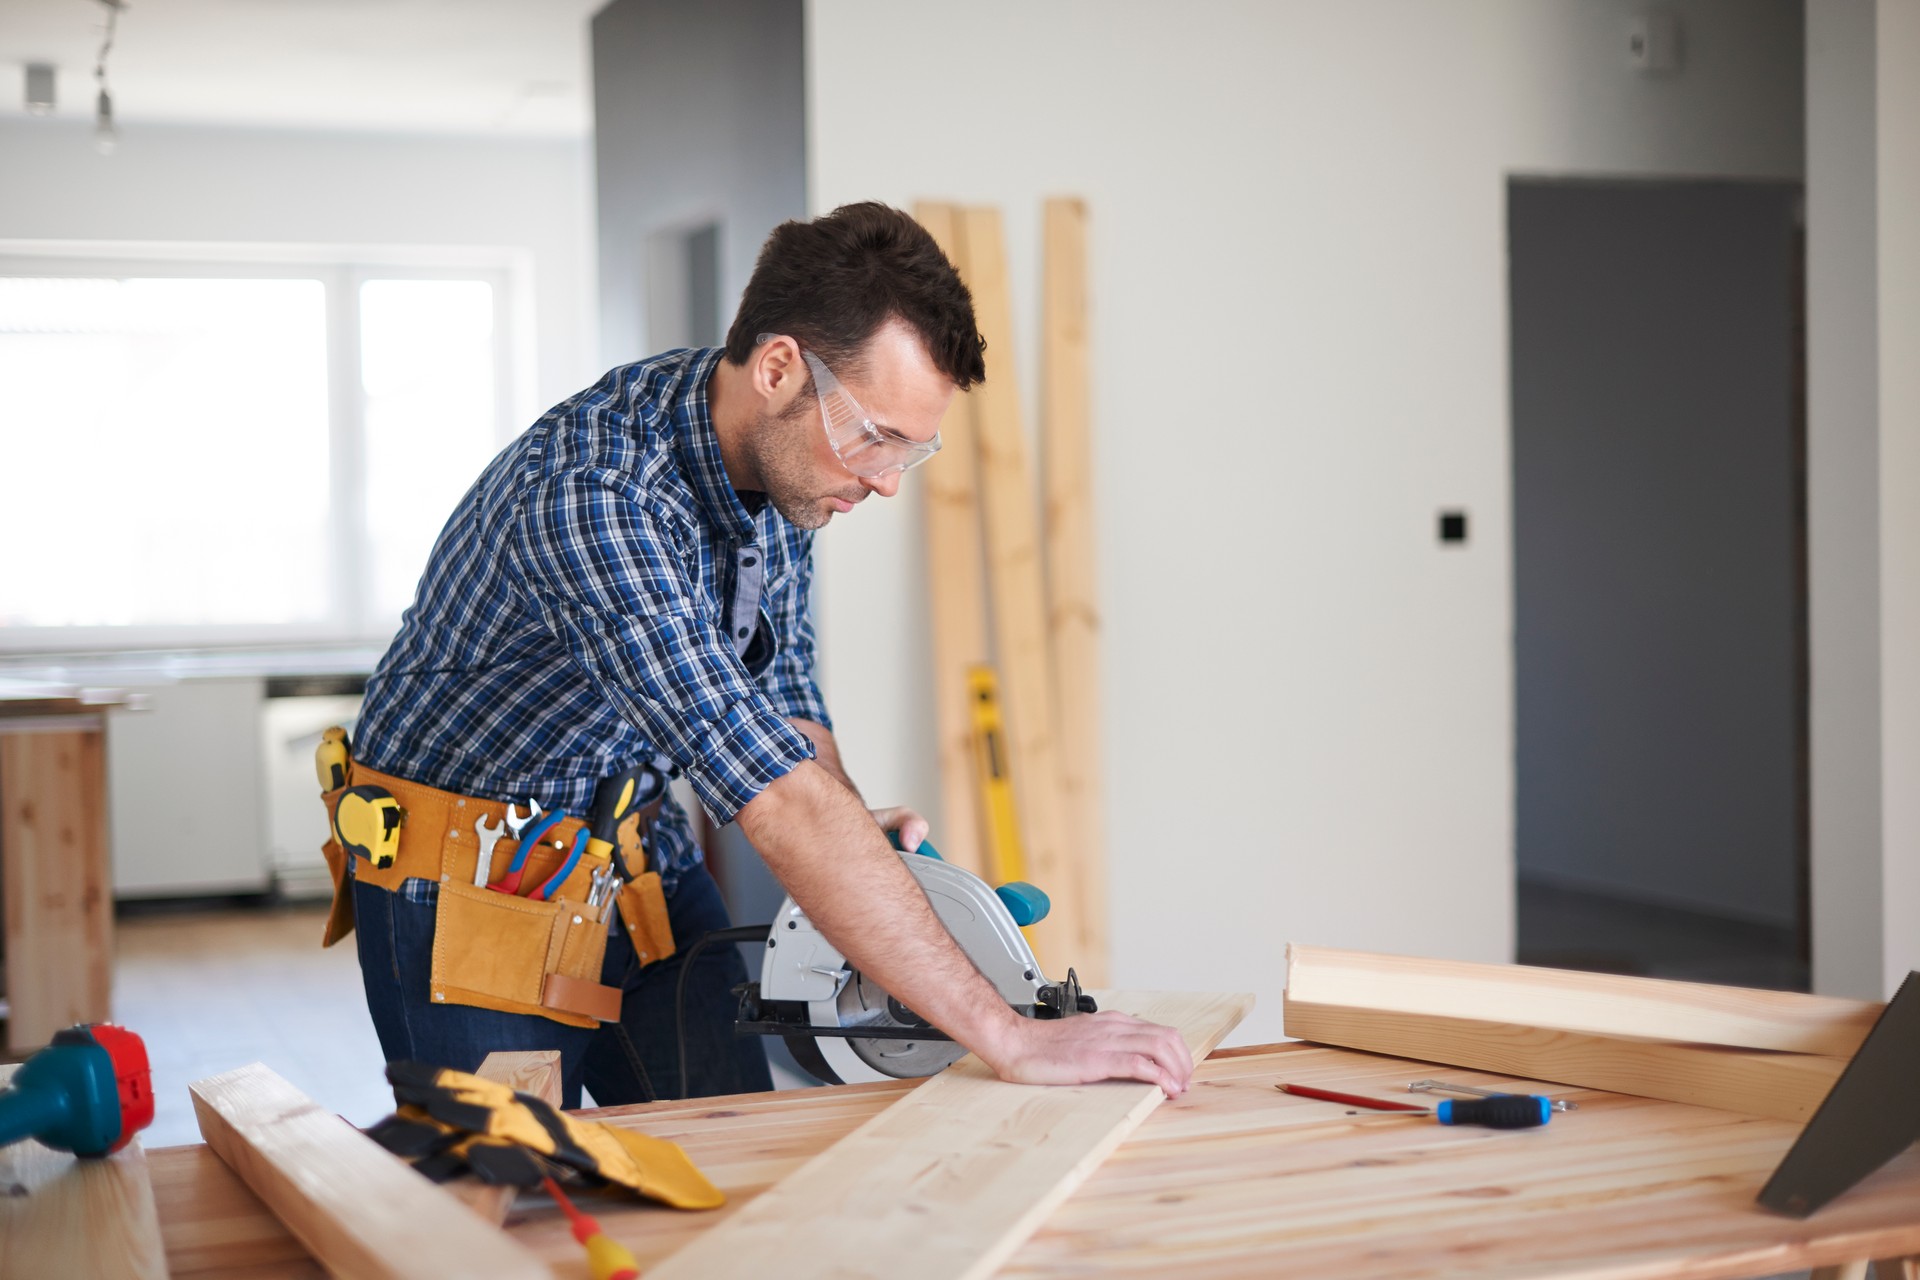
(845, 1029)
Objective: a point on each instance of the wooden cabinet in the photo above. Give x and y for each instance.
(54, 878)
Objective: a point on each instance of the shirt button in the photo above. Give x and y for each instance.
(742, 633)
(748, 563)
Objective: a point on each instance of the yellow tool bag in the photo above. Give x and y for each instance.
(450, 1122)
(510, 952)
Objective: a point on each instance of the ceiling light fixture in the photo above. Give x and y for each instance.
(105, 136)
(39, 88)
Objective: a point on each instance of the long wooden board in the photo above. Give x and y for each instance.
(1785, 1086)
(957, 587)
(1018, 599)
(64, 1216)
(1566, 1000)
(1073, 614)
(354, 1207)
(948, 1181)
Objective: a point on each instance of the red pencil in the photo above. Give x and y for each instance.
(1352, 1100)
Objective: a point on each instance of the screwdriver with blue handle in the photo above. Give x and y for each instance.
(1504, 1111)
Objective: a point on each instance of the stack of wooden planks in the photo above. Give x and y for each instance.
(1762, 1053)
(1015, 595)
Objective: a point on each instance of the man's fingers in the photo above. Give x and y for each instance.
(911, 827)
(1165, 1046)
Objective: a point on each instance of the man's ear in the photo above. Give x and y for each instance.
(778, 371)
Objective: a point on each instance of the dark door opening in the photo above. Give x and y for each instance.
(1659, 578)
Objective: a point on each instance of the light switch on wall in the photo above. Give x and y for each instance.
(1653, 43)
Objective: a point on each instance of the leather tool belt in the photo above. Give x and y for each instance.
(493, 950)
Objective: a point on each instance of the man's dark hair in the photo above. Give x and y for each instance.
(832, 282)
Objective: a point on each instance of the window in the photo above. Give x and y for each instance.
(235, 452)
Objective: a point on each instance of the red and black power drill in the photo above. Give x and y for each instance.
(87, 1092)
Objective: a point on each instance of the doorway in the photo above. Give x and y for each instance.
(1660, 582)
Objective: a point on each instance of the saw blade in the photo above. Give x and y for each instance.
(863, 1004)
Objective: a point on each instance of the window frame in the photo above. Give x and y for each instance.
(350, 618)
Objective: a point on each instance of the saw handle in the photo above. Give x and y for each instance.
(1028, 904)
(926, 848)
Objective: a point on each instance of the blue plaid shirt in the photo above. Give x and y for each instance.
(573, 617)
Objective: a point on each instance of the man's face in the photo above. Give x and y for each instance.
(898, 387)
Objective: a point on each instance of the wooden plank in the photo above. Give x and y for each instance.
(64, 1216)
(1846, 1271)
(57, 883)
(351, 1204)
(212, 1224)
(957, 587)
(1566, 1000)
(1785, 1086)
(524, 1071)
(1248, 1182)
(951, 1179)
(1017, 599)
(1073, 614)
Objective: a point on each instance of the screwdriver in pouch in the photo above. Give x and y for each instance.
(1508, 1111)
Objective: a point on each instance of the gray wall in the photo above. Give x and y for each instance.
(700, 151)
(700, 119)
(1657, 544)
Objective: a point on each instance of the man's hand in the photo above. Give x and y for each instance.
(1108, 1045)
(912, 827)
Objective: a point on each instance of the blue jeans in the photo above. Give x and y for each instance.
(636, 1059)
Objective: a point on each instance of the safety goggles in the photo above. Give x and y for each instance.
(864, 447)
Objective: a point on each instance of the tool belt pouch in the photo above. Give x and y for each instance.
(340, 918)
(643, 908)
(520, 955)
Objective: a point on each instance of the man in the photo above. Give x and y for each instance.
(629, 581)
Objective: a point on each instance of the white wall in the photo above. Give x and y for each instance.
(1897, 86)
(1863, 446)
(181, 183)
(1843, 499)
(1299, 356)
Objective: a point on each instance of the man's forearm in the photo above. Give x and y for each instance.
(827, 850)
(825, 750)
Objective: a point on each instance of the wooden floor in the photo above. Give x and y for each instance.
(212, 990)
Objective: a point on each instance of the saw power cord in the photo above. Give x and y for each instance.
(739, 933)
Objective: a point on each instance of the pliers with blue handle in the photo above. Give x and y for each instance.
(510, 882)
(545, 891)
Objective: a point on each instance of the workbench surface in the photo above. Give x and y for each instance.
(1238, 1179)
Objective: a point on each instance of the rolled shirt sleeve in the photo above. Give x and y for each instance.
(605, 573)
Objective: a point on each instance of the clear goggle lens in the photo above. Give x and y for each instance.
(863, 447)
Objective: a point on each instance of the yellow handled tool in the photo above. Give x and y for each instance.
(367, 824)
(1004, 856)
(331, 758)
(613, 800)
